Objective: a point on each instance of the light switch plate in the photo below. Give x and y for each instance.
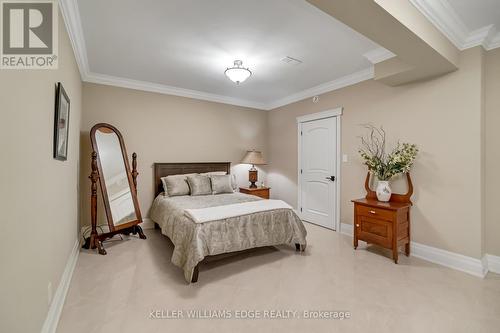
(344, 158)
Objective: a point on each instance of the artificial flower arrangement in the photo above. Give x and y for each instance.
(382, 165)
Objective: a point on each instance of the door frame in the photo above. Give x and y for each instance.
(337, 112)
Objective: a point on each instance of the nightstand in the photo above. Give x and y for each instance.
(385, 224)
(262, 192)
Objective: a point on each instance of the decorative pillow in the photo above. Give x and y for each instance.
(222, 173)
(176, 185)
(221, 184)
(199, 185)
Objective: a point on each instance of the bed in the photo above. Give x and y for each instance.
(199, 238)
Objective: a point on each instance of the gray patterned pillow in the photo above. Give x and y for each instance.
(199, 185)
(234, 184)
(176, 185)
(221, 184)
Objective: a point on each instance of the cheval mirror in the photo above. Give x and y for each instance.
(110, 166)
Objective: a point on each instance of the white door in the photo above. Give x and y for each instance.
(318, 161)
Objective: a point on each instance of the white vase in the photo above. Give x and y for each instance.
(384, 191)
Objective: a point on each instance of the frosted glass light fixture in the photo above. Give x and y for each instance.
(238, 73)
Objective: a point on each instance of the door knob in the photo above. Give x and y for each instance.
(332, 178)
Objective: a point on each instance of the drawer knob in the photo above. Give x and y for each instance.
(373, 212)
(357, 225)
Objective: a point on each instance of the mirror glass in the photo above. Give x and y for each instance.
(115, 176)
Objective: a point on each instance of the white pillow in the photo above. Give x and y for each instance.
(221, 184)
(222, 173)
(175, 191)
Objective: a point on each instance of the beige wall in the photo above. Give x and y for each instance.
(492, 151)
(163, 128)
(38, 195)
(442, 116)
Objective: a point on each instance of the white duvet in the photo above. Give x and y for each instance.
(202, 215)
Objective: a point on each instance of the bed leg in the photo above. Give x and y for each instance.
(300, 247)
(195, 274)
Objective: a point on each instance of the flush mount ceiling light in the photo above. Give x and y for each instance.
(238, 74)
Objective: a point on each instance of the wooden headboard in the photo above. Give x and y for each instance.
(166, 169)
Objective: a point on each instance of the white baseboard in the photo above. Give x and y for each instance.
(55, 309)
(445, 258)
(346, 229)
(52, 319)
(147, 223)
(449, 259)
(493, 263)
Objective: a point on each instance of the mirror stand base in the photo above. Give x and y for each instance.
(95, 242)
(136, 229)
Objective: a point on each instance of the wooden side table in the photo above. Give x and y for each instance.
(262, 192)
(386, 224)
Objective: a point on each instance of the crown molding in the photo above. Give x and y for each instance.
(442, 15)
(444, 18)
(478, 37)
(495, 42)
(170, 90)
(348, 80)
(342, 82)
(378, 55)
(71, 17)
(492, 40)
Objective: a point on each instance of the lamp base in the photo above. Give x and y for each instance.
(252, 177)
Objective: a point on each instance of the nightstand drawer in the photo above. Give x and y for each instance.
(262, 192)
(376, 213)
(374, 231)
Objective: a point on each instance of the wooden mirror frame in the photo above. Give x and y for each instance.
(95, 239)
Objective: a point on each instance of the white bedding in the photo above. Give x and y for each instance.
(194, 241)
(202, 215)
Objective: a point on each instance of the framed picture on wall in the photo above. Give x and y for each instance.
(61, 124)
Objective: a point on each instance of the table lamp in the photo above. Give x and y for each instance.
(254, 158)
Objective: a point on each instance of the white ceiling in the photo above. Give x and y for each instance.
(184, 46)
(466, 23)
(477, 13)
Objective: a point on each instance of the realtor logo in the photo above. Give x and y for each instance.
(29, 35)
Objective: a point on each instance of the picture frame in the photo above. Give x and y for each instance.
(61, 124)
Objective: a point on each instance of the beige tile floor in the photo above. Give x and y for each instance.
(117, 292)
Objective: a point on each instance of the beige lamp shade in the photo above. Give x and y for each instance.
(253, 157)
